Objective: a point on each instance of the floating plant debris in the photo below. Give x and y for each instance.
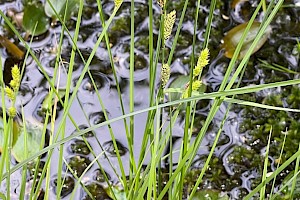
(11, 48)
(234, 36)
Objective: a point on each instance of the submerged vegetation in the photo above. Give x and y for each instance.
(150, 99)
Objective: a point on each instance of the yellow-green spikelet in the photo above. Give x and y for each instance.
(15, 73)
(165, 74)
(12, 112)
(169, 23)
(203, 59)
(118, 3)
(161, 3)
(9, 93)
(196, 85)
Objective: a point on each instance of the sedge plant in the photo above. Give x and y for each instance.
(141, 181)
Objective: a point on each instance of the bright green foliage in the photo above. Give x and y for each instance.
(60, 7)
(37, 23)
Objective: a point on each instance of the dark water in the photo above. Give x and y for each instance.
(239, 153)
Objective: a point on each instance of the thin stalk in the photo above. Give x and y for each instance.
(24, 169)
(78, 180)
(8, 157)
(52, 125)
(217, 102)
(113, 70)
(132, 164)
(152, 76)
(123, 180)
(149, 128)
(210, 18)
(37, 184)
(71, 64)
(264, 6)
(265, 170)
(5, 133)
(153, 174)
(275, 173)
(150, 116)
(66, 113)
(67, 93)
(287, 184)
(160, 98)
(187, 125)
(193, 63)
(295, 174)
(150, 34)
(280, 157)
(171, 151)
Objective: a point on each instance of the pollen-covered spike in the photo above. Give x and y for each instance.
(10, 93)
(196, 71)
(165, 74)
(12, 112)
(203, 59)
(15, 72)
(14, 84)
(169, 23)
(196, 85)
(161, 3)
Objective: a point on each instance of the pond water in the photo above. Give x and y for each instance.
(238, 159)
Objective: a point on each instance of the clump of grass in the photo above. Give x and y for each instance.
(143, 181)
